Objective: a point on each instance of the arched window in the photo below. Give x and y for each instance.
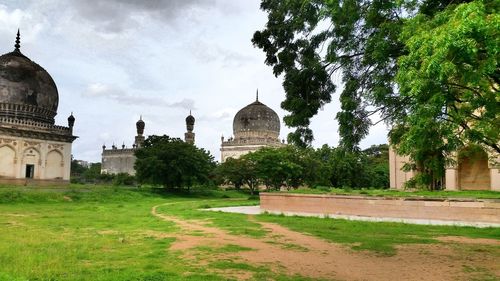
(7, 157)
(54, 167)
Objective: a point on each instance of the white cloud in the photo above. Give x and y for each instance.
(99, 90)
(114, 60)
(116, 16)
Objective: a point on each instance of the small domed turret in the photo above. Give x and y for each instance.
(139, 139)
(190, 122)
(140, 125)
(190, 119)
(189, 135)
(71, 120)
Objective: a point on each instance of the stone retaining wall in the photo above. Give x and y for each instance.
(470, 210)
(33, 182)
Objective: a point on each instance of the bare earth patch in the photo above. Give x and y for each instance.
(467, 240)
(326, 260)
(107, 232)
(15, 215)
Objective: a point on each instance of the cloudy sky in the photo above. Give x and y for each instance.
(116, 60)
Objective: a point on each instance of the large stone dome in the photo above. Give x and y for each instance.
(256, 119)
(26, 90)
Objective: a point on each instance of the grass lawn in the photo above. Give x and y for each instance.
(473, 194)
(379, 237)
(105, 233)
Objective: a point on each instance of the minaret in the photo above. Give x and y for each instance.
(71, 122)
(189, 135)
(139, 139)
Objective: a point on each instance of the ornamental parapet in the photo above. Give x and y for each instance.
(34, 125)
(26, 111)
(116, 151)
(253, 141)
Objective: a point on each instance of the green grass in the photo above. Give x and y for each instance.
(473, 194)
(107, 233)
(379, 237)
(230, 248)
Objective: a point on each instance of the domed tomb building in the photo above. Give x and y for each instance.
(254, 126)
(117, 160)
(33, 150)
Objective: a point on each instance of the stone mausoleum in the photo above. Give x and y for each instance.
(121, 160)
(474, 168)
(33, 150)
(254, 126)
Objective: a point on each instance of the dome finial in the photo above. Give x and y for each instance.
(257, 95)
(18, 41)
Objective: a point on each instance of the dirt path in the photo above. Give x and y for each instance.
(317, 258)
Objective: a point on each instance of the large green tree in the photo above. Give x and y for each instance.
(429, 68)
(450, 79)
(231, 172)
(276, 167)
(312, 41)
(172, 163)
(450, 74)
(239, 172)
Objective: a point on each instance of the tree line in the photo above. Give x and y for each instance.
(172, 163)
(291, 167)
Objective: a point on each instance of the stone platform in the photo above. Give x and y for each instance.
(449, 211)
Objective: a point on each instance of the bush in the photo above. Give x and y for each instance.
(123, 179)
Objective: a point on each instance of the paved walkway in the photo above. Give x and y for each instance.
(255, 210)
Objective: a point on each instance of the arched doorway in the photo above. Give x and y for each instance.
(473, 171)
(30, 167)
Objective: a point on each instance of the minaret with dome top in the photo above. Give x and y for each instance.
(139, 139)
(254, 126)
(33, 150)
(189, 135)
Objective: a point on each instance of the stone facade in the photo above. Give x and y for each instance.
(235, 148)
(254, 126)
(474, 170)
(34, 161)
(33, 150)
(116, 161)
(465, 210)
(398, 177)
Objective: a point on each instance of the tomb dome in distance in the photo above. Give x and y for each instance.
(256, 119)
